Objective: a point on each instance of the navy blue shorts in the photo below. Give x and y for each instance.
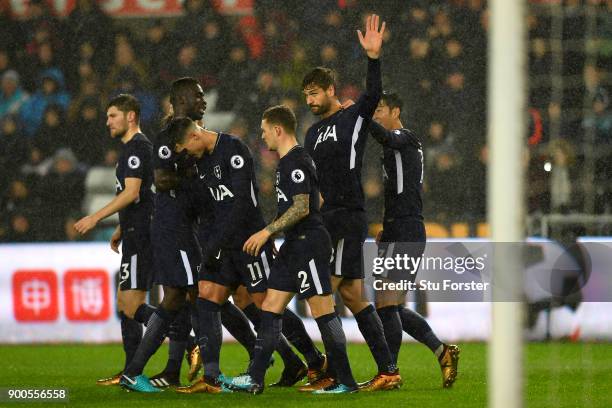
(302, 265)
(136, 261)
(239, 268)
(177, 256)
(348, 230)
(402, 237)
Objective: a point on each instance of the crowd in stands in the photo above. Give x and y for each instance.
(57, 74)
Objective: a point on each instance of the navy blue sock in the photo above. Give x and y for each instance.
(210, 336)
(157, 328)
(415, 325)
(131, 334)
(143, 313)
(235, 321)
(392, 325)
(335, 348)
(178, 335)
(282, 345)
(295, 332)
(372, 330)
(267, 338)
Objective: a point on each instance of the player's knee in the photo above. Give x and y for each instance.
(174, 299)
(242, 298)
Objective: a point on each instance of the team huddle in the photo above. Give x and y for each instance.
(202, 236)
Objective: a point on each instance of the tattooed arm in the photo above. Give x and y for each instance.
(292, 216)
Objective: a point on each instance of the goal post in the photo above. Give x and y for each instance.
(507, 91)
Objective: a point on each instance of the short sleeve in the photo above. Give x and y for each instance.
(299, 179)
(136, 161)
(241, 161)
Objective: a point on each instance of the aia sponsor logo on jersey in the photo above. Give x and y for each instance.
(220, 192)
(328, 133)
(280, 195)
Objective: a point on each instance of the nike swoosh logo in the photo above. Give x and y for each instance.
(129, 380)
(218, 255)
(202, 176)
(304, 290)
(256, 283)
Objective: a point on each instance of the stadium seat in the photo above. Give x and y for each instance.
(460, 230)
(482, 230)
(100, 180)
(435, 230)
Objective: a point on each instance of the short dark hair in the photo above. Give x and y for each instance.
(392, 100)
(125, 103)
(283, 116)
(177, 130)
(180, 86)
(320, 76)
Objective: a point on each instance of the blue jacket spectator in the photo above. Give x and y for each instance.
(51, 91)
(12, 96)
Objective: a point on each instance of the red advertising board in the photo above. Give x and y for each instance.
(35, 295)
(136, 8)
(86, 294)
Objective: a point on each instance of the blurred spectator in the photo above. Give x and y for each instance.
(157, 50)
(52, 133)
(6, 63)
(62, 192)
(213, 46)
(292, 73)
(599, 121)
(251, 34)
(129, 81)
(266, 94)
(186, 64)
(51, 91)
(88, 135)
(13, 148)
(444, 190)
(235, 78)
(44, 59)
(561, 168)
(88, 22)
(125, 65)
(20, 229)
(12, 96)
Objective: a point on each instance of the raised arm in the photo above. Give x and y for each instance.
(371, 42)
(395, 139)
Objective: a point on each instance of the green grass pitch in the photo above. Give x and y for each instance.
(557, 375)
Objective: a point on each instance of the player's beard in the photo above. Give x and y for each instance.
(322, 109)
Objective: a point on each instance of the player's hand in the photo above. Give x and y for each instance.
(86, 224)
(347, 103)
(372, 40)
(253, 245)
(378, 237)
(116, 239)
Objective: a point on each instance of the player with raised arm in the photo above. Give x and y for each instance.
(403, 227)
(134, 203)
(337, 145)
(302, 264)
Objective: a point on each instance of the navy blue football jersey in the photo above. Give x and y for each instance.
(228, 173)
(174, 209)
(135, 161)
(402, 171)
(296, 174)
(337, 145)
